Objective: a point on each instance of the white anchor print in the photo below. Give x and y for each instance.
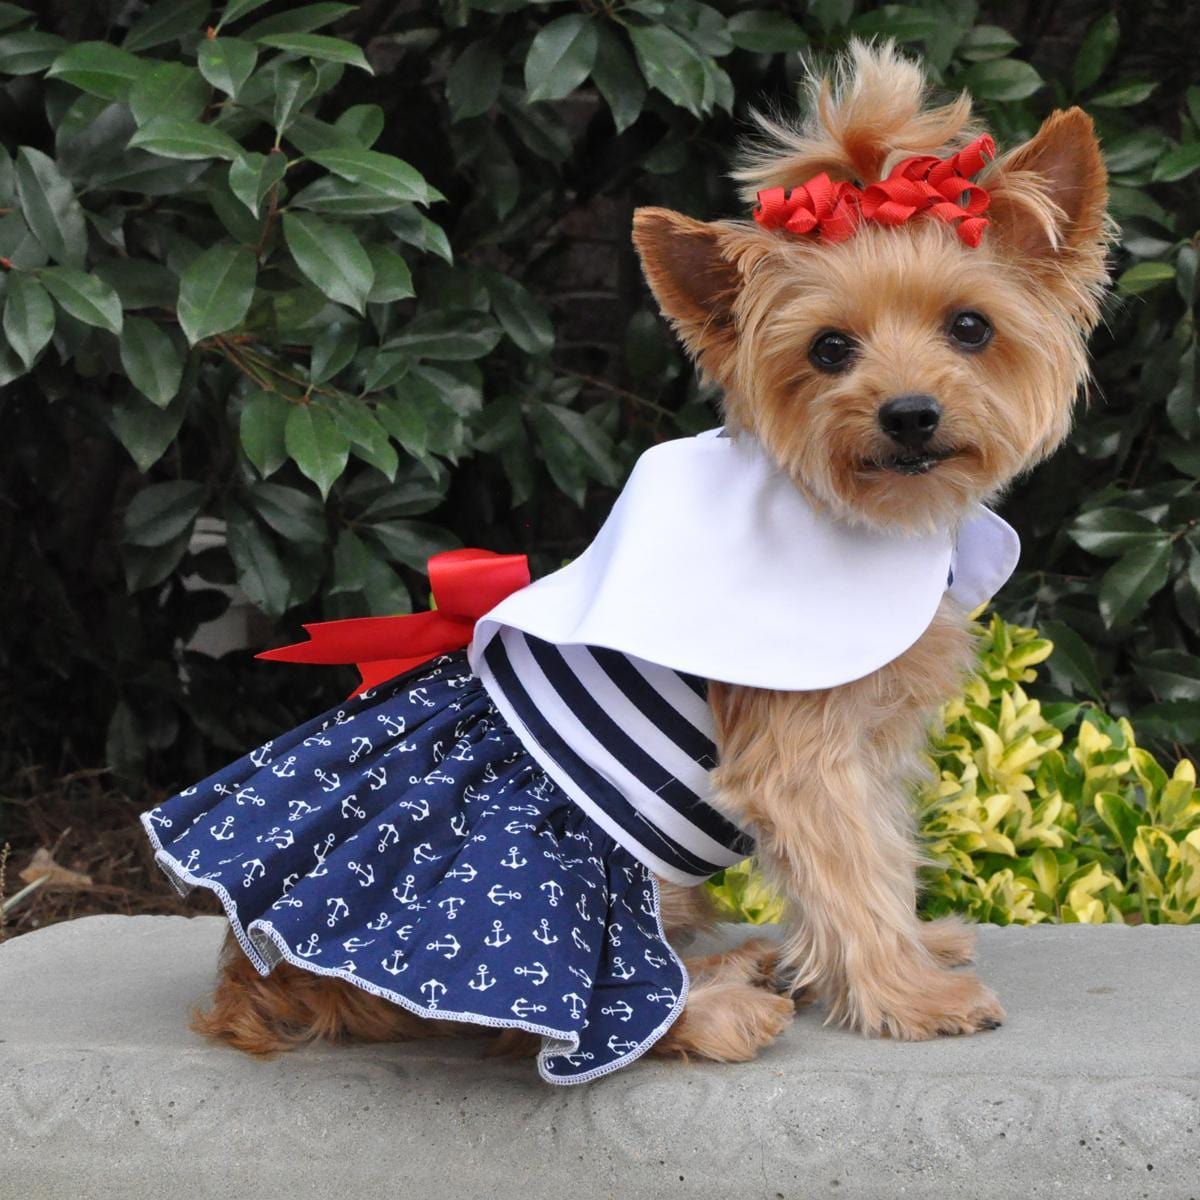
(419, 809)
(359, 746)
(256, 871)
(329, 782)
(286, 769)
(471, 796)
(619, 1047)
(451, 904)
(614, 934)
(581, 975)
(381, 922)
(621, 1010)
(578, 940)
(366, 874)
(575, 1003)
(653, 959)
(517, 826)
(536, 974)
(351, 809)
(666, 996)
(458, 824)
(543, 934)
(351, 944)
(281, 839)
(309, 949)
(409, 895)
(321, 850)
(247, 795)
(395, 727)
(420, 695)
(339, 909)
(581, 906)
(524, 1008)
(577, 1060)
(318, 738)
(498, 895)
(260, 757)
(377, 776)
(192, 859)
(431, 989)
(391, 836)
(498, 937)
(392, 964)
(552, 890)
(484, 981)
(514, 861)
(155, 817)
(620, 970)
(424, 853)
(404, 932)
(465, 872)
(448, 946)
(224, 833)
(299, 808)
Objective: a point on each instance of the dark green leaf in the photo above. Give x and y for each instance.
(447, 335)
(368, 438)
(1111, 532)
(1001, 79)
(50, 208)
(303, 18)
(332, 350)
(227, 63)
(316, 445)
(215, 291)
(28, 317)
(99, 69)
(521, 317)
(986, 42)
(261, 572)
(169, 90)
(315, 45)
(1132, 580)
(175, 138)
(295, 515)
(148, 566)
(342, 198)
(1144, 276)
(473, 83)
(393, 280)
(264, 417)
(161, 512)
(13, 14)
(166, 21)
(1183, 400)
(86, 297)
(361, 123)
(331, 256)
(124, 743)
(412, 543)
(670, 65)
(1124, 95)
(139, 282)
(597, 448)
(766, 32)
(1072, 662)
(252, 177)
(1177, 163)
(144, 429)
(560, 57)
(616, 75)
(294, 87)
(1096, 51)
(236, 9)
(382, 172)
(29, 51)
(152, 360)
(1172, 674)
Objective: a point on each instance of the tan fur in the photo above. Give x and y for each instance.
(823, 779)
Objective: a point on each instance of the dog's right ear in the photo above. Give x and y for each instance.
(693, 280)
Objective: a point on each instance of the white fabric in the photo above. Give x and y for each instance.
(712, 563)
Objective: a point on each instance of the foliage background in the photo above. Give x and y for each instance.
(356, 282)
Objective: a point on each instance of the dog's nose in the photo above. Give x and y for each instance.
(910, 421)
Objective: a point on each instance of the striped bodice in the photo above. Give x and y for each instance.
(631, 742)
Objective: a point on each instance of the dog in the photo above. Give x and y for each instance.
(900, 371)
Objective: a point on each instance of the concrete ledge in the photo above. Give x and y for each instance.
(1091, 1089)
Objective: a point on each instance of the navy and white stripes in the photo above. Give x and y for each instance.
(629, 741)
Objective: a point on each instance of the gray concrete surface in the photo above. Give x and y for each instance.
(1091, 1089)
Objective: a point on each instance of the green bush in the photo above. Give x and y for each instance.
(355, 281)
(1038, 812)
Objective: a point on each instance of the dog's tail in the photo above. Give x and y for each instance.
(868, 111)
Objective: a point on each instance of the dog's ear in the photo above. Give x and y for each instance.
(1061, 164)
(693, 280)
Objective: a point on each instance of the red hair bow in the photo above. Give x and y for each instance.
(465, 584)
(939, 187)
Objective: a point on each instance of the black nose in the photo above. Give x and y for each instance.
(910, 421)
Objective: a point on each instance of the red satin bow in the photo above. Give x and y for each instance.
(939, 187)
(465, 584)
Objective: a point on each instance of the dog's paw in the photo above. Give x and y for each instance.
(727, 1021)
(941, 1003)
(949, 940)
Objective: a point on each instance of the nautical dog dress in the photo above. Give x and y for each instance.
(479, 837)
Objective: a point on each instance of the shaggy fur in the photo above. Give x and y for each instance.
(823, 778)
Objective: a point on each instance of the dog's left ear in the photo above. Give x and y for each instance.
(695, 281)
(1062, 164)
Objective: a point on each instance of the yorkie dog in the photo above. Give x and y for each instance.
(900, 372)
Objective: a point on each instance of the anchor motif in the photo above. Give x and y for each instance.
(537, 974)
(359, 746)
(192, 859)
(470, 795)
(620, 970)
(260, 757)
(404, 932)
(419, 695)
(299, 808)
(281, 839)
(156, 818)
(489, 774)
(390, 836)
(528, 809)
(577, 1060)
(247, 795)
(394, 725)
(351, 809)
(578, 940)
(621, 1010)
(647, 907)
(667, 996)
(655, 960)
(465, 872)
(409, 895)
(350, 965)
(462, 752)
(498, 937)
(309, 949)
(225, 833)
(514, 861)
(458, 824)
(484, 981)
(190, 791)
(523, 1007)
(340, 909)
(328, 782)
(424, 853)
(517, 826)
(437, 752)
(497, 895)
(366, 875)
(614, 934)
(420, 808)
(321, 850)
(543, 934)
(448, 947)
(452, 904)
(432, 989)
(381, 922)
(377, 776)
(286, 769)
(393, 965)
(619, 1047)
(432, 777)
(576, 1003)
(319, 738)
(553, 891)
(288, 902)
(581, 975)
(290, 882)
(581, 906)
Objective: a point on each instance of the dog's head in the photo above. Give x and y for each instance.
(898, 373)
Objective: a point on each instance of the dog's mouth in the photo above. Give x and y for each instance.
(919, 462)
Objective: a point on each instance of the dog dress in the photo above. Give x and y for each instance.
(477, 834)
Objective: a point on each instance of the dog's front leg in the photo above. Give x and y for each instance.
(824, 778)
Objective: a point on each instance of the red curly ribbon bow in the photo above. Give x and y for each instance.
(938, 187)
(465, 584)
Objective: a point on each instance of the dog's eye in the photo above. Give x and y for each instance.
(971, 330)
(832, 352)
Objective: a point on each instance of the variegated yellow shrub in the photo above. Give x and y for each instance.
(1038, 812)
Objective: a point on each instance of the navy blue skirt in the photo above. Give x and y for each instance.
(408, 843)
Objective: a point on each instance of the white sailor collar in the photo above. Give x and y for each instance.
(713, 564)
